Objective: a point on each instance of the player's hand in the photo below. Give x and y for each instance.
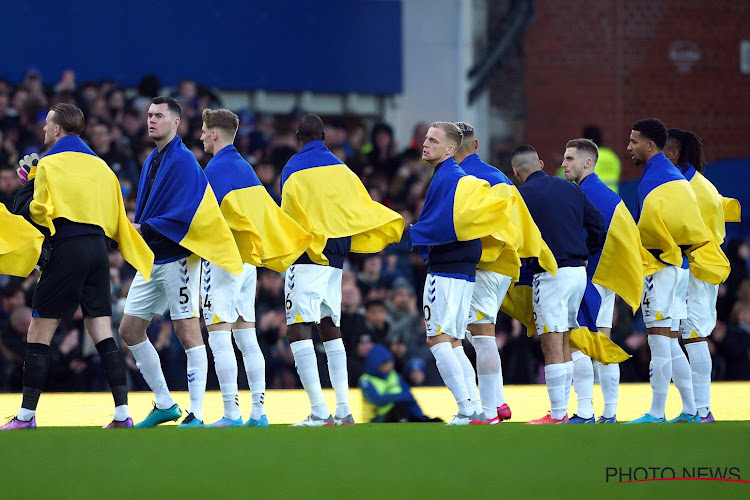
(26, 164)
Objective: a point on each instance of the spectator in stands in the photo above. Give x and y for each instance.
(733, 343)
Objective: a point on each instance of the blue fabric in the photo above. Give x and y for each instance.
(606, 201)
(378, 355)
(457, 276)
(228, 171)
(313, 154)
(473, 165)
(72, 144)
(435, 223)
(560, 210)
(589, 309)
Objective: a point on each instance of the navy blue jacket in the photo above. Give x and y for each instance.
(561, 211)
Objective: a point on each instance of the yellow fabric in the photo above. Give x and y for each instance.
(620, 266)
(20, 244)
(597, 346)
(732, 209)
(709, 263)
(670, 218)
(82, 188)
(210, 238)
(271, 238)
(331, 202)
(517, 304)
(522, 239)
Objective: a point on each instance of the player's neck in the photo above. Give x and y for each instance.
(162, 143)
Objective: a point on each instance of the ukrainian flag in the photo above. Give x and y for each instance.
(521, 236)
(73, 183)
(668, 217)
(328, 200)
(709, 263)
(587, 339)
(265, 235)
(182, 207)
(461, 207)
(20, 244)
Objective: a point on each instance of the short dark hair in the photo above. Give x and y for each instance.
(310, 129)
(171, 103)
(653, 130)
(522, 150)
(585, 146)
(690, 148)
(69, 117)
(375, 303)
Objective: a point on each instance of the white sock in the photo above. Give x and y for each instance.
(24, 414)
(609, 378)
(197, 373)
(470, 378)
(488, 373)
(225, 364)
(683, 378)
(555, 376)
(452, 375)
(255, 367)
(583, 383)
(569, 368)
(147, 361)
(338, 374)
(122, 412)
(700, 365)
(307, 369)
(660, 373)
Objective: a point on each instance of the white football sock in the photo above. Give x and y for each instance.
(122, 412)
(147, 361)
(470, 378)
(338, 374)
(660, 373)
(24, 414)
(569, 368)
(555, 376)
(583, 383)
(609, 379)
(307, 369)
(453, 375)
(255, 367)
(225, 363)
(700, 365)
(683, 378)
(488, 373)
(197, 373)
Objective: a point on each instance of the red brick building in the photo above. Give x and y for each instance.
(612, 62)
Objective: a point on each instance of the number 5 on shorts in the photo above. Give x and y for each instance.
(183, 295)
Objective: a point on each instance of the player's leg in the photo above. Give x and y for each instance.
(609, 375)
(304, 286)
(583, 383)
(681, 374)
(573, 282)
(440, 313)
(696, 328)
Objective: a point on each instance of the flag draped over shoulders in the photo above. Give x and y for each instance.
(328, 200)
(522, 236)
(75, 184)
(461, 207)
(182, 207)
(20, 244)
(668, 218)
(264, 234)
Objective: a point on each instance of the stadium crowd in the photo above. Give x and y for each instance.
(380, 304)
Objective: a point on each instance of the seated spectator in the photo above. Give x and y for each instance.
(370, 280)
(13, 349)
(734, 343)
(386, 396)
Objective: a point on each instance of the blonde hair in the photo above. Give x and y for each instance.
(452, 132)
(222, 119)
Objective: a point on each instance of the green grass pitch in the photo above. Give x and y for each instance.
(371, 461)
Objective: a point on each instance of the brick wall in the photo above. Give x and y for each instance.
(610, 62)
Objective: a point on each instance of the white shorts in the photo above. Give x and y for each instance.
(701, 309)
(679, 311)
(607, 307)
(225, 297)
(174, 286)
(446, 303)
(489, 291)
(556, 299)
(312, 293)
(660, 303)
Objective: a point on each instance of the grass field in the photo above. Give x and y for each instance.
(374, 461)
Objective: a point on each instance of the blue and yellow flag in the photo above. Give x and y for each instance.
(587, 339)
(182, 207)
(668, 217)
(461, 207)
(709, 263)
(328, 200)
(522, 236)
(265, 235)
(75, 184)
(619, 265)
(20, 244)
